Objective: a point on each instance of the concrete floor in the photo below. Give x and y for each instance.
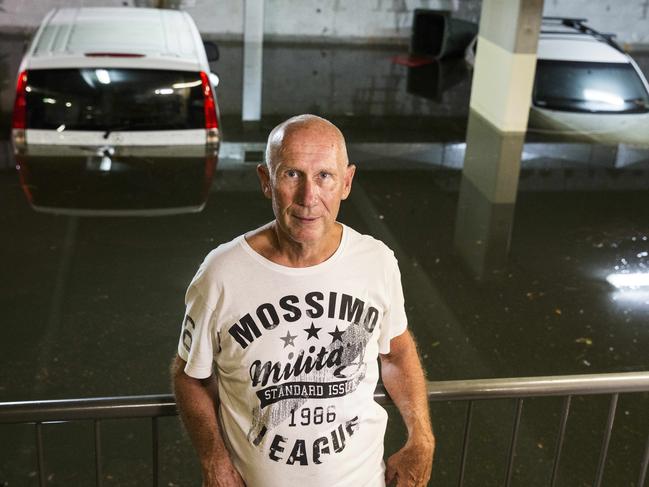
(92, 306)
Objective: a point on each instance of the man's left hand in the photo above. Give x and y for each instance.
(411, 466)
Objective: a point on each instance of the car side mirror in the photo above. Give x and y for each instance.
(212, 50)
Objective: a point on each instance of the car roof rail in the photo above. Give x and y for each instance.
(581, 28)
(565, 19)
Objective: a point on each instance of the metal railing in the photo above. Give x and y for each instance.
(156, 406)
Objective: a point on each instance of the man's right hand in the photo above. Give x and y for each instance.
(197, 401)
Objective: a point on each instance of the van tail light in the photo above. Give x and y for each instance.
(211, 120)
(19, 119)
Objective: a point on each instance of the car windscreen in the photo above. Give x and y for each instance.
(114, 99)
(589, 87)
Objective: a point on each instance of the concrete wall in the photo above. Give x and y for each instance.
(322, 19)
(629, 19)
(343, 20)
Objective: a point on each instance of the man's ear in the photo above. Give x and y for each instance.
(264, 179)
(350, 170)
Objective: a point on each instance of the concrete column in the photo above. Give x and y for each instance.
(501, 93)
(253, 39)
(506, 61)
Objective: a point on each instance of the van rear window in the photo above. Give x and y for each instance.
(589, 87)
(114, 99)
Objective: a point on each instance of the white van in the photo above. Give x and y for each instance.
(116, 79)
(587, 88)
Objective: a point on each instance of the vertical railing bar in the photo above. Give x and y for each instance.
(465, 442)
(155, 450)
(99, 476)
(643, 465)
(40, 460)
(607, 438)
(560, 439)
(512, 445)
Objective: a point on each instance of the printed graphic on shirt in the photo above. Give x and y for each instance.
(188, 329)
(319, 355)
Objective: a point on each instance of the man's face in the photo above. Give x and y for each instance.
(308, 179)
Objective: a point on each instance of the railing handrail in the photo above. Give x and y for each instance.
(553, 385)
(472, 389)
(145, 406)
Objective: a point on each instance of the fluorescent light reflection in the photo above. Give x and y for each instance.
(102, 76)
(629, 281)
(604, 97)
(189, 84)
(106, 164)
(164, 91)
(632, 296)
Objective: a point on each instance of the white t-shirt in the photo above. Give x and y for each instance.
(294, 351)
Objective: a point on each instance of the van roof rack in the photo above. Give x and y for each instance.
(581, 28)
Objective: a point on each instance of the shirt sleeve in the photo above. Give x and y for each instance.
(395, 320)
(196, 344)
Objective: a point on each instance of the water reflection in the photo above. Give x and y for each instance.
(432, 80)
(633, 280)
(482, 231)
(629, 129)
(487, 194)
(114, 181)
(629, 276)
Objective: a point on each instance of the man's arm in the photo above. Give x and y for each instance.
(403, 378)
(197, 402)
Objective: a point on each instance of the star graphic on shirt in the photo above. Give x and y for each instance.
(336, 334)
(312, 331)
(288, 339)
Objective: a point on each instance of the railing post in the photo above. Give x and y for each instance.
(512, 446)
(99, 476)
(155, 451)
(643, 465)
(465, 442)
(39, 454)
(560, 438)
(607, 438)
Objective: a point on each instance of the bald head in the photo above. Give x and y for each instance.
(306, 176)
(309, 129)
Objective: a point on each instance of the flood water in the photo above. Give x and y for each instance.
(92, 303)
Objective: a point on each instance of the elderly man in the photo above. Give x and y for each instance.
(276, 363)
